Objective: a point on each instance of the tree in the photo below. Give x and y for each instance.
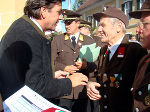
(77, 4)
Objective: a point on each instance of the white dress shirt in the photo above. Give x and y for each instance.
(36, 23)
(76, 35)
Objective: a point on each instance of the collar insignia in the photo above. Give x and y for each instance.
(81, 37)
(66, 37)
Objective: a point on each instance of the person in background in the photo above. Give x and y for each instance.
(117, 65)
(66, 48)
(25, 54)
(141, 84)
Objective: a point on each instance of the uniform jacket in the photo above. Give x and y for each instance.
(25, 59)
(65, 54)
(140, 86)
(116, 76)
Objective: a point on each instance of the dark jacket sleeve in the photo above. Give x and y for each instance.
(25, 62)
(38, 79)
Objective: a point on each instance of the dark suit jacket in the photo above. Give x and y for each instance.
(140, 85)
(120, 70)
(26, 60)
(65, 54)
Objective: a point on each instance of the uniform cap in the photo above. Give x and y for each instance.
(85, 23)
(114, 13)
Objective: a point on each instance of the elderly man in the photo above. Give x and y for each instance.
(141, 85)
(117, 63)
(25, 53)
(66, 48)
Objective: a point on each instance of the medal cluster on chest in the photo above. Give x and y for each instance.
(112, 80)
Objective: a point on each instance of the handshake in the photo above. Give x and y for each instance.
(76, 78)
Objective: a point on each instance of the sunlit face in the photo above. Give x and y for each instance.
(52, 16)
(72, 28)
(106, 29)
(144, 30)
(85, 30)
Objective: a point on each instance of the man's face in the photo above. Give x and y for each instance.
(106, 29)
(52, 17)
(144, 30)
(72, 27)
(85, 30)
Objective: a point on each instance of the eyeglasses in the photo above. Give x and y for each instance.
(142, 25)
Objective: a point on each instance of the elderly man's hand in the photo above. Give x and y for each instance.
(71, 69)
(92, 91)
(60, 74)
(78, 79)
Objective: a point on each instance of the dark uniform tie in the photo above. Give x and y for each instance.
(73, 41)
(107, 55)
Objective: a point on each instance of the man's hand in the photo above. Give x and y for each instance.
(78, 79)
(92, 91)
(71, 69)
(60, 74)
(81, 65)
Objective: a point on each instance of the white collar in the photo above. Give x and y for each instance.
(36, 23)
(76, 35)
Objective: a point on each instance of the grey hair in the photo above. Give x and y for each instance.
(114, 20)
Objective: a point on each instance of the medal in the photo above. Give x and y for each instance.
(147, 100)
(117, 84)
(105, 78)
(112, 79)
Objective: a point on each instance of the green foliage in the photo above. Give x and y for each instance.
(77, 4)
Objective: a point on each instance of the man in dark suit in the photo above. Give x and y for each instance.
(25, 53)
(66, 48)
(117, 63)
(141, 85)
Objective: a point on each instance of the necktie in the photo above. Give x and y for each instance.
(73, 41)
(107, 55)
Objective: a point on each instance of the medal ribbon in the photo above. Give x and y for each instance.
(149, 89)
(112, 79)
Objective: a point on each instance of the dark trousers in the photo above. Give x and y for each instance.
(79, 105)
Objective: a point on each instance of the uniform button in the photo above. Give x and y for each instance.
(105, 107)
(140, 93)
(65, 94)
(105, 96)
(74, 60)
(47, 42)
(62, 50)
(137, 110)
(74, 52)
(105, 85)
(131, 89)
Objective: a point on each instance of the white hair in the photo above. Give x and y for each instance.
(114, 20)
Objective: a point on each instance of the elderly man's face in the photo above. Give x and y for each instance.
(107, 30)
(144, 30)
